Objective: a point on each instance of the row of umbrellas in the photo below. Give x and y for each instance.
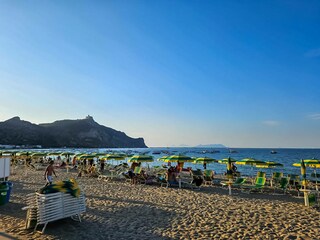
(312, 163)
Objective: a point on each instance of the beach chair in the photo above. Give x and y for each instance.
(185, 179)
(197, 178)
(237, 183)
(259, 185)
(294, 182)
(282, 184)
(276, 177)
(106, 176)
(45, 208)
(208, 176)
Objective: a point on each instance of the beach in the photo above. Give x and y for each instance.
(120, 210)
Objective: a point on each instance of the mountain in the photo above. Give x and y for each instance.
(211, 146)
(81, 133)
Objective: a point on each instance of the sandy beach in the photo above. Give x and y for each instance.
(120, 210)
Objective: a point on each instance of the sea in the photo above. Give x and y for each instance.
(284, 156)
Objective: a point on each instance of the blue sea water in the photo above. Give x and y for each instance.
(285, 156)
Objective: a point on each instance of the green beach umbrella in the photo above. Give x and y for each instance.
(202, 160)
(313, 163)
(178, 158)
(67, 154)
(53, 153)
(162, 158)
(226, 160)
(113, 157)
(86, 156)
(39, 154)
(23, 154)
(268, 165)
(249, 161)
(141, 158)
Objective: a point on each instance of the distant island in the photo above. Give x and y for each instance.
(81, 133)
(211, 146)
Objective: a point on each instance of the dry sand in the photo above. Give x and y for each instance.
(119, 210)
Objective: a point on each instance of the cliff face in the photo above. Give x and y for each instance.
(65, 133)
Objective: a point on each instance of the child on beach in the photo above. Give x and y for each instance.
(48, 173)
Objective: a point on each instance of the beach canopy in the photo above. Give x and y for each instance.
(202, 160)
(226, 160)
(38, 154)
(23, 154)
(113, 157)
(178, 158)
(53, 153)
(249, 161)
(141, 158)
(269, 165)
(86, 156)
(67, 154)
(312, 163)
(163, 158)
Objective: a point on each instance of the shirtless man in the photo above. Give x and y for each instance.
(48, 173)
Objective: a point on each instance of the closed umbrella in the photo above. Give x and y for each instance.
(229, 174)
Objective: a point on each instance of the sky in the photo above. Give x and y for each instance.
(238, 73)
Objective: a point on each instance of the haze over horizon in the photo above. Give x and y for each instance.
(243, 74)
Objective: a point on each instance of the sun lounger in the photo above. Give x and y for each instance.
(45, 208)
(208, 176)
(259, 185)
(237, 183)
(282, 184)
(276, 177)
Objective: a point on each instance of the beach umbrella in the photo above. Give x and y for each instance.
(162, 158)
(202, 160)
(53, 153)
(65, 154)
(313, 163)
(268, 165)
(37, 155)
(141, 158)
(226, 160)
(113, 157)
(86, 156)
(100, 154)
(249, 161)
(178, 158)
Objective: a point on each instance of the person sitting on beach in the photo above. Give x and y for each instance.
(63, 164)
(48, 173)
(234, 169)
(172, 176)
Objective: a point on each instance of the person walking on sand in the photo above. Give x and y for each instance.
(48, 173)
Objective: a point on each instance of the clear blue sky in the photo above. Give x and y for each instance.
(240, 73)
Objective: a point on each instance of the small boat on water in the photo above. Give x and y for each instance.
(273, 152)
(232, 151)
